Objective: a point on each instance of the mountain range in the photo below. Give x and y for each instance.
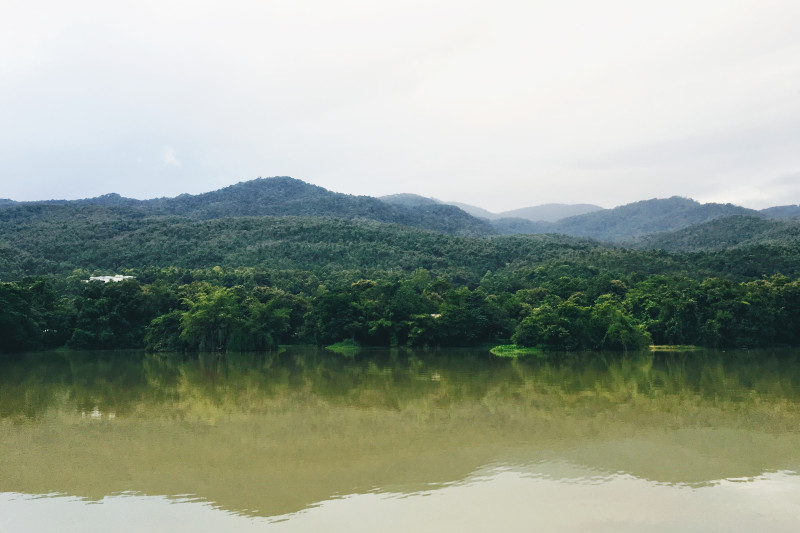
(280, 196)
(536, 213)
(671, 223)
(723, 234)
(626, 224)
(285, 224)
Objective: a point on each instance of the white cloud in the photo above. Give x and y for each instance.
(759, 194)
(499, 103)
(169, 158)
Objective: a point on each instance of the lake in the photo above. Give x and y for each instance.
(398, 440)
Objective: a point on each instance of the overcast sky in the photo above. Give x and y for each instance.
(499, 103)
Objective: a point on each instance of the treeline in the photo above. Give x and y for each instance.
(53, 240)
(564, 308)
(273, 197)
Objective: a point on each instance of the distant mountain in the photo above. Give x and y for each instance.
(409, 200)
(724, 233)
(782, 211)
(110, 200)
(551, 212)
(637, 219)
(284, 196)
(476, 211)
(519, 226)
(536, 213)
(284, 223)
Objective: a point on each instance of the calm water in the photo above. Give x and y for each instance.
(308, 440)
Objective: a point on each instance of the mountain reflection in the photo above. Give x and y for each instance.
(271, 434)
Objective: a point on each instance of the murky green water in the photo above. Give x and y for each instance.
(307, 440)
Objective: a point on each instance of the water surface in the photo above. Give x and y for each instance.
(397, 440)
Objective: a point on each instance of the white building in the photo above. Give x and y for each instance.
(105, 279)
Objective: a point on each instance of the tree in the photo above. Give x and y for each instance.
(19, 330)
(213, 317)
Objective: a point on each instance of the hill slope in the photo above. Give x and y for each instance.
(535, 213)
(94, 237)
(409, 200)
(519, 226)
(476, 211)
(550, 212)
(724, 233)
(637, 219)
(280, 196)
(782, 211)
(99, 239)
(284, 196)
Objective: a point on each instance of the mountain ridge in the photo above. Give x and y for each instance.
(284, 196)
(645, 217)
(286, 224)
(782, 212)
(550, 212)
(724, 233)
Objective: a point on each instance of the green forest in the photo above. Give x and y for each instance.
(248, 269)
(557, 308)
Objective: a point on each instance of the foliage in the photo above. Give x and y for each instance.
(725, 233)
(646, 217)
(228, 310)
(347, 347)
(514, 350)
(230, 271)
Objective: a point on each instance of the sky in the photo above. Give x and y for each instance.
(500, 104)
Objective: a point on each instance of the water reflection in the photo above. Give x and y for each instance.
(272, 435)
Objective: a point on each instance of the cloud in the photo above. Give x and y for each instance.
(501, 104)
(169, 157)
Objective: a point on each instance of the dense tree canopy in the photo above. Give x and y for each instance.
(240, 310)
(213, 273)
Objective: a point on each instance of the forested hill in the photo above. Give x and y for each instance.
(535, 213)
(249, 283)
(782, 212)
(409, 200)
(673, 224)
(647, 217)
(725, 233)
(279, 196)
(550, 212)
(96, 239)
(623, 224)
(212, 273)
